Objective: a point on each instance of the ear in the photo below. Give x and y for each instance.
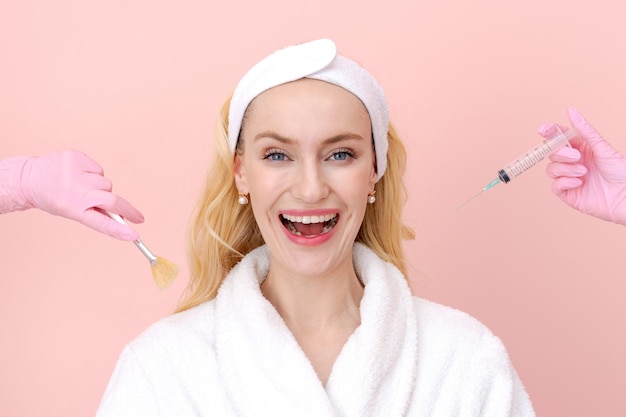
(240, 174)
(373, 175)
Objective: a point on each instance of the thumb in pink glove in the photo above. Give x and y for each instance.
(70, 184)
(590, 176)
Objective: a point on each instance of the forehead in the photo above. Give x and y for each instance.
(307, 97)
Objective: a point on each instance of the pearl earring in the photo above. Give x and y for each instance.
(371, 198)
(243, 199)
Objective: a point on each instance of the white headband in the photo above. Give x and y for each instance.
(317, 60)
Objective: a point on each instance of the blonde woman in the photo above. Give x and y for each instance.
(298, 304)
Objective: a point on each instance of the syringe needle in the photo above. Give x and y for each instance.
(485, 188)
(470, 199)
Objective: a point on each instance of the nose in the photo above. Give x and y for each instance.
(310, 185)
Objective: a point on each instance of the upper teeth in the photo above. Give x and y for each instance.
(310, 219)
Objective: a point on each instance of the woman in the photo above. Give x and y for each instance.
(298, 303)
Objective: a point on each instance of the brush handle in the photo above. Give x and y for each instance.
(151, 257)
(143, 248)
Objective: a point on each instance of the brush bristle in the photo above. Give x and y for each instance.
(164, 272)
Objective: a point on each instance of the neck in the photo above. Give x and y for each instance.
(314, 303)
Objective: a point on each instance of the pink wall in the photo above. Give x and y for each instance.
(136, 85)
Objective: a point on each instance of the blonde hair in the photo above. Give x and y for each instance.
(222, 231)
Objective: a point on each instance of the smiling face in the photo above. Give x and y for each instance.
(306, 159)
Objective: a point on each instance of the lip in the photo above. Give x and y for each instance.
(309, 240)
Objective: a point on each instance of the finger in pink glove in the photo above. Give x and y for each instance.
(590, 176)
(70, 184)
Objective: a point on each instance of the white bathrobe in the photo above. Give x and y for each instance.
(234, 356)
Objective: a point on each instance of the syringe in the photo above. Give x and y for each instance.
(529, 159)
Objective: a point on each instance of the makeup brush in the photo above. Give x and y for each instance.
(163, 270)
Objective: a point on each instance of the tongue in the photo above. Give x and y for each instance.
(309, 229)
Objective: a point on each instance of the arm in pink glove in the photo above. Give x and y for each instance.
(68, 184)
(590, 176)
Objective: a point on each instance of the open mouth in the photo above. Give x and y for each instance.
(309, 225)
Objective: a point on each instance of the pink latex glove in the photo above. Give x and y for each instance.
(72, 185)
(590, 176)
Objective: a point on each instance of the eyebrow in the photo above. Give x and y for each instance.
(289, 141)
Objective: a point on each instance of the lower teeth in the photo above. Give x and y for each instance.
(292, 228)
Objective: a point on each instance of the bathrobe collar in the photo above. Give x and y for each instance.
(266, 373)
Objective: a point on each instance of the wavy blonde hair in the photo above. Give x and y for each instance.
(222, 231)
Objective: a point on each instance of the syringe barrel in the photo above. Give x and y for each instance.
(536, 154)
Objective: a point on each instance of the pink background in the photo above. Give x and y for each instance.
(137, 84)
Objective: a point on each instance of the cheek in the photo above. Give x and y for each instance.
(265, 185)
(355, 191)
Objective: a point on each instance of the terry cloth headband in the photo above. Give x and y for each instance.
(317, 60)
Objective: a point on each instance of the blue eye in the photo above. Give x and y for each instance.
(341, 155)
(274, 155)
(277, 157)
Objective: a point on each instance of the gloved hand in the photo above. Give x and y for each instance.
(72, 185)
(590, 176)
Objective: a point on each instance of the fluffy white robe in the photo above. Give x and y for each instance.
(234, 356)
